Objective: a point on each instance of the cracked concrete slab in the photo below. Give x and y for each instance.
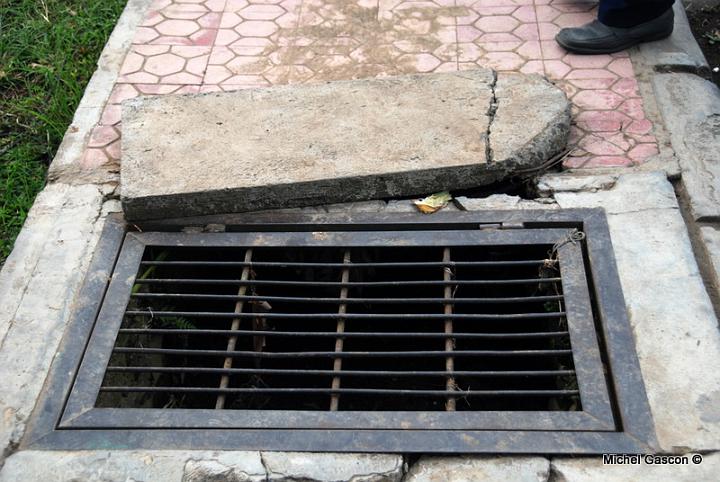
(332, 467)
(477, 469)
(305, 145)
(200, 466)
(139, 466)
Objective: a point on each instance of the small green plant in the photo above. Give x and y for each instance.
(712, 36)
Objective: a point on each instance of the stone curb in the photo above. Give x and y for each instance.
(678, 53)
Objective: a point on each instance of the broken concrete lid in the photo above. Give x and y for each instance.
(302, 145)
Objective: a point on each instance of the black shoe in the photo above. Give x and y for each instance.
(598, 38)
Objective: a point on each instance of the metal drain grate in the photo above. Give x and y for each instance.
(278, 336)
(385, 328)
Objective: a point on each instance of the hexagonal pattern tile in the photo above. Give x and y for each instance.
(185, 46)
(164, 64)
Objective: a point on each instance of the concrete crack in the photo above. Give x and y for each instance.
(264, 464)
(492, 110)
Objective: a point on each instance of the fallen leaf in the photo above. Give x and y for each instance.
(434, 202)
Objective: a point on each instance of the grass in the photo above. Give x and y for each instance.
(48, 51)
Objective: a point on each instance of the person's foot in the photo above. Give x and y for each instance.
(598, 38)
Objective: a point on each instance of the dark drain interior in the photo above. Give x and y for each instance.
(466, 328)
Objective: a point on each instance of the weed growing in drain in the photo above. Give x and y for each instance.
(48, 51)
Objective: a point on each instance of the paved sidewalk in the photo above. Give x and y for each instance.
(187, 46)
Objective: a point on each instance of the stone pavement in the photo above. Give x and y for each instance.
(188, 46)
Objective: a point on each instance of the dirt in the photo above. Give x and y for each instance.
(705, 24)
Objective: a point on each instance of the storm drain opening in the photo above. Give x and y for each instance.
(475, 332)
(384, 328)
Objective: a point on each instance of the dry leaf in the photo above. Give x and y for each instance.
(434, 202)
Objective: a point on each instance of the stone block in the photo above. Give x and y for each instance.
(305, 145)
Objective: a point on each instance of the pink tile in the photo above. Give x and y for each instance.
(101, 136)
(113, 150)
(93, 158)
(500, 46)
(546, 13)
(602, 121)
(530, 50)
(599, 146)
(640, 127)
(261, 12)
(145, 35)
(491, 11)
(497, 37)
(592, 83)
(642, 152)
(633, 108)
(499, 23)
(622, 67)
(626, 87)
(527, 31)
(533, 67)
(597, 99)
(466, 33)
(164, 64)
(574, 19)
(525, 14)
(556, 69)
(256, 28)
(502, 60)
(469, 52)
(575, 162)
(551, 50)
(587, 61)
(580, 74)
(420, 62)
(547, 31)
(122, 92)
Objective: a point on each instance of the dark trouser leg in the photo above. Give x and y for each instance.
(629, 13)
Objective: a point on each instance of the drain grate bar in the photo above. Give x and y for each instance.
(347, 316)
(344, 373)
(339, 341)
(449, 342)
(335, 334)
(349, 301)
(418, 264)
(232, 340)
(151, 281)
(344, 354)
(356, 391)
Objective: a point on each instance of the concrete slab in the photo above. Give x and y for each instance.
(332, 467)
(344, 141)
(690, 107)
(126, 465)
(478, 469)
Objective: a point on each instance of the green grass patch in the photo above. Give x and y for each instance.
(48, 51)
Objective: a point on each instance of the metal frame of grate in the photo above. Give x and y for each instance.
(614, 414)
